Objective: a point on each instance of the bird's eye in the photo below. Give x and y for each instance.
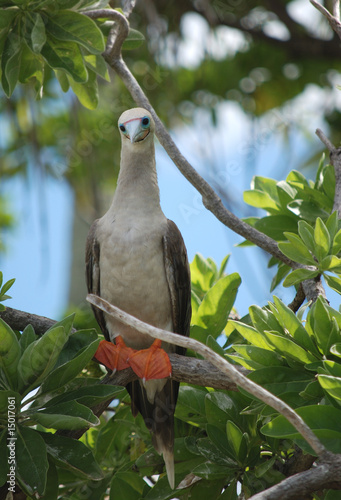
(123, 129)
(145, 122)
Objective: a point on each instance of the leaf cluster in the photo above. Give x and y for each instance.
(39, 34)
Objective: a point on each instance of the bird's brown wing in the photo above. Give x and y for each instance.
(159, 416)
(92, 262)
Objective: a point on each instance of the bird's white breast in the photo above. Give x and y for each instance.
(133, 274)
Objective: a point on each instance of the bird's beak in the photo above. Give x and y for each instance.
(135, 131)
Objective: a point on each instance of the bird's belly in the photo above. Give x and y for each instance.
(136, 283)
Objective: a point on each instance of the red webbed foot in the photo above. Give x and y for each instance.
(114, 356)
(151, 363)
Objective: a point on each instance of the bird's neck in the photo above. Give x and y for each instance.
(137, 190)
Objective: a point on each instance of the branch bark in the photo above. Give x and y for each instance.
(233, 374)
(18, 320)
(332, 19)
(326, 475)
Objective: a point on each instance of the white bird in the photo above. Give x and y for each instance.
(136, 259)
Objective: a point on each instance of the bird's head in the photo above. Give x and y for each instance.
(136, 125)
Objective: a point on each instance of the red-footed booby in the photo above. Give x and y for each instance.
(136, 259)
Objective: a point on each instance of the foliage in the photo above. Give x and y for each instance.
(35, 34)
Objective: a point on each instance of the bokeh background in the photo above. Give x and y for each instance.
(240, 84)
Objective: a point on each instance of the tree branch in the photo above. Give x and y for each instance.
(220, 363)
(332, 19)
(326, 475)
(18, 320)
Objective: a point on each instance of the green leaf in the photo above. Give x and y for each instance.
(333, 282)
(27, 337)
(299, 247)
(209, 450)
(332, 385)
(134, 40)
(36, 30)
(31, 70)
(322, 239)
(126, 485)
(306, 233)
(32, 464)
(295, 254)
(292, 324)
(251, 334)
(326, 329)
(307, 210)
(331, 262)
(88, 396)
(6, 19)
(87, 92)
(69, 370)
(72, 455)
(281, 380)
(70, 26)
(202, 273)
(191, 405)
(70, 416)
(65, 56)
(336, 243)
(40, 357)
(7, 286)
(260, 199)
(97, 64)
(263, 357)
(234, 436)
(275, 225)
(323, 420)
(10, 62)
(211, 471)
(264, 319)
(289, 349)
(332, 224)
(10, 353)
(214, 310)
(299, 275)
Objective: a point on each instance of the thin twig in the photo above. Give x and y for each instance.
(220, 363)
(332, 19)
(323, 138)
(336, 9)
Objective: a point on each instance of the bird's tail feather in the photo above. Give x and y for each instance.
(168, 457)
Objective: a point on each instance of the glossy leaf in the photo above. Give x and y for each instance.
(32, 464)
(306, 233)
(263, 357)
(191, 405)
(10, 62)
(69, 416)
(322, 239)
(296, 249)
(260, 199)
(299, 275)
(134, 40)
(251, 334)
(4, 402)
(333, 282)
(65, 56)
(70, 26)
(87, 396)
(337, 243)
(40, 357)
(275, 225)
(10, 353)
(332, 385)
(27, 337)
(214, 309)
(289, 349)
(87, 92)
(323, 420)
(70, 369)
(126, 485)
(72, 455)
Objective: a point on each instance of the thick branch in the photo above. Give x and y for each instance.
(220, 363)
(325, 475)
(185, 369)
(18, 320)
